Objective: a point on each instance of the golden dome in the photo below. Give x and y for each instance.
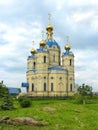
(49, 26)
(42, 43)
(33, 51)
(67, 47)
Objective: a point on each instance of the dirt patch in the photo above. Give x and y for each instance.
(49, 109)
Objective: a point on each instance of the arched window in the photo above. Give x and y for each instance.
(34, 65)
(70, 87)
(32, 86)
(54, 58)
(51, 86)
(70, 62)
(44, 59)
(44, 86)
(27, 89)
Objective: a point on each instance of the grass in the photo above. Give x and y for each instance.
(63, 115)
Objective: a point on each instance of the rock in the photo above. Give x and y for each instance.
(22, 120)
(4, 118)
(28, 121)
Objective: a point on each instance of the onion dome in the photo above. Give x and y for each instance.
(67, 47)
(49, 27)
(33, 51)
(42, 43)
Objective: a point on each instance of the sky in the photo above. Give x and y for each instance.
(22, 21)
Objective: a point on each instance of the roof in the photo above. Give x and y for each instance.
(25, 85)
(42, 49)
(56, 68)
(33, 69)
(14, 90)
(31, 56)
(50, 43)
(67, 53)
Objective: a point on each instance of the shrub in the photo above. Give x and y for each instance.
(25, 102)
(78, 99)
(7, 103)
(84, 93)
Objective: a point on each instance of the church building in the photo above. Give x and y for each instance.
(50, 73)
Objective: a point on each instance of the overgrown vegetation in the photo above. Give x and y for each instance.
(84, 94)
(7, 103)
(24, 102)
(3, 89)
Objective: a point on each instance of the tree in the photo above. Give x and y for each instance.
(84, 91)
(7, 103)
(3, 89)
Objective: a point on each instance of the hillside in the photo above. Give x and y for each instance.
(57, 114)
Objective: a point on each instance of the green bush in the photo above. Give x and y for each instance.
(7, 103)
(24, 102)
(78, 99)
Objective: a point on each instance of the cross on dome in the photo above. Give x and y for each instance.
(33, 51)
(33, 43)
(42, 34)
(67, 38)
(49, 16)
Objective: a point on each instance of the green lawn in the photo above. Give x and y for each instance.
(61, 115)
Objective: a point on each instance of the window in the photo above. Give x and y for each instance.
(32, 78)
(54, 58)
(44, 86)
(60, 78)
(32, 86)
(51, 77)
(44, 59)
(70, 62)
(34, 65)
(44, 77)
(70, 78)
(51, 86)
(27, 89)
(53, 46)
(70, 87)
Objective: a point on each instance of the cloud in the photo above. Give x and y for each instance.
(21, 22)
(85, 67)
(8, 2)
(13, 53)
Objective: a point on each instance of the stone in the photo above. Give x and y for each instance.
(28, 121)
(22, 120)
(4, 118)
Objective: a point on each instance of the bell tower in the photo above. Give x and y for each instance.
(68, 64)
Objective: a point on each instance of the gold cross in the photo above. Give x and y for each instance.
(49, 16)
(67, 38)
(42, 34)
(33, 43)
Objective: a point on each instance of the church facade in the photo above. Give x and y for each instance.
(50, 73)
